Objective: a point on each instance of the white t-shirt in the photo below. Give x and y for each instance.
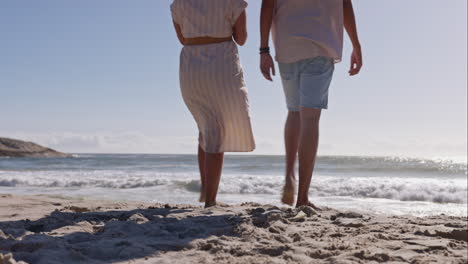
(304, 29)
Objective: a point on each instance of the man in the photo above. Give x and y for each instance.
(308, 39)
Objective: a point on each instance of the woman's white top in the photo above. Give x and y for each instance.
(207, 18)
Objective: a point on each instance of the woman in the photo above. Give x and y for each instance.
(212, 82)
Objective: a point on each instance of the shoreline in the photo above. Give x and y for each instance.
(57, 229)
(373, 206)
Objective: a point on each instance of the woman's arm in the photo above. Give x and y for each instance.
(240, 29)
(179, 33)
(350, 26)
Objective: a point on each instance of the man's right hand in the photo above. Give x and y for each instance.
(267, 66)
(356, 61)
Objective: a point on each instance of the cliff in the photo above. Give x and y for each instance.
(17, 148)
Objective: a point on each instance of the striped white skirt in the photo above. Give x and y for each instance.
(213, 88)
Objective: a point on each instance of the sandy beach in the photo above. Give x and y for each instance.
(45, 229)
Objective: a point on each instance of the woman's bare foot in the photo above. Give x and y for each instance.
(309, 204)
(210, 204)
(289, 190)
(202, 196)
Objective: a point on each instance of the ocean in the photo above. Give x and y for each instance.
(382, 185)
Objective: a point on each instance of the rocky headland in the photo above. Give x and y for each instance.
(18, 148)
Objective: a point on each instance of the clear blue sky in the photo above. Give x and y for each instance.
(102, 76)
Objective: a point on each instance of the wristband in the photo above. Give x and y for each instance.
(265, 50)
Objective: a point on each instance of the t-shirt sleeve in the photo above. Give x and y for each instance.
(237, 7)
(175, 10)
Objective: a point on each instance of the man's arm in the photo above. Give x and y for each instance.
(266, 20)
(350, 26)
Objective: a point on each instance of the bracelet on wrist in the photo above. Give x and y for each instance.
(265, 50)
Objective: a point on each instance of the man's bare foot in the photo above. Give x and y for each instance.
(210, 204)
(202, 196)
(299, 204)
(289, 190)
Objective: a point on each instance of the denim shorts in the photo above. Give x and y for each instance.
(306, 82)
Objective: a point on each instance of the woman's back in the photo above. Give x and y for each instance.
(207, 18)
(212, 82)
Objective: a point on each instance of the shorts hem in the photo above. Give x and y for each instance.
(293, 109)
(324, 107)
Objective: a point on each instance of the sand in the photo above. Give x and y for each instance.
(44, 229)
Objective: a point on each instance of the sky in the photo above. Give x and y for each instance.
(102, 77)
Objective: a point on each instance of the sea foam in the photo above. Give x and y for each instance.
(393, 188)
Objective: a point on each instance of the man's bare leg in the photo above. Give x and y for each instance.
(291, 140)
(213, 169)
(308, 145)
(201, 165)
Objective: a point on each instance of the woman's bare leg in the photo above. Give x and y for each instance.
(201, 166)
(213, 169)
(308, 145)
(291, 140)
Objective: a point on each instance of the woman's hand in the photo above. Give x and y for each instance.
(267, 66)
(180, 36)
(240, 29)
